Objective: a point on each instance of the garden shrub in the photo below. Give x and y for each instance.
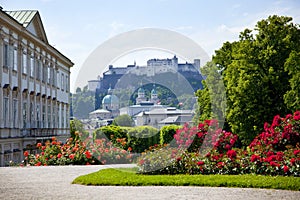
(167, 133)
(137, 139)
(142, 137)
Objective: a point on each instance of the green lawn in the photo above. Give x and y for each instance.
(129, 177)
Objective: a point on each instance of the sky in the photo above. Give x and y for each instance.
(76, 27)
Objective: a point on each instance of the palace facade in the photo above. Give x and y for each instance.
(34, 86)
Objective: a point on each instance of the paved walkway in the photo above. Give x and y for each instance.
(55, 183)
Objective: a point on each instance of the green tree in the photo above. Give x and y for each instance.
(212, 98)
(77, 126)
(123, 120)
(292, 66)
(255, 78)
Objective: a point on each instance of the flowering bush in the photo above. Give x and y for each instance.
(276, 151)
(205, 136)
(77, 152)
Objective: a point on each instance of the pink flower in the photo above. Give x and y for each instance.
(142, 162)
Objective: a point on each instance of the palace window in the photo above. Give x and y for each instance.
(24, 114)
(49, 115)
(62, 82)
(62, 117)
(32, 66)
(31, 110)
(6, 57)
(44, 115)
(58, 116)
(54, 115)
(48, 75)
(24, 56)
(52, 77)
(38, 115)
(6, 111)
(57, 80)
(67, 83)
(15, 112)
(15, 59)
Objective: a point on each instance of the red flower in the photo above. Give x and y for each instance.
(286, 169)
(39, 145)
(274, 164)
(254, 158)
(270, 153)
(200, 163)
(88, 154)
(297, 115)
(71, 156)
(38, 164)
(220, 164)
(231, 154)
(296, 152)
(54, 143)
(279, 156)
(178, 159)
(292, 161)
(129, 149)
(26, 153)
(227, 146)
(87, 163)
(276, 121)
(53, 138)
(59, 155)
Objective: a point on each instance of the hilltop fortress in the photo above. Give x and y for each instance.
(190, 71)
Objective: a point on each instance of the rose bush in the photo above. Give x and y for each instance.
(206, 149)
(77, 152)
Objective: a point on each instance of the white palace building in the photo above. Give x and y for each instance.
(34, 86)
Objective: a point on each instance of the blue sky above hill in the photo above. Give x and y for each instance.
(77, 27)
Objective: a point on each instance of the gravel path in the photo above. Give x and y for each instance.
(55, 183)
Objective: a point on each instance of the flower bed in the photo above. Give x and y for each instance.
(206, 149)
(77, 152)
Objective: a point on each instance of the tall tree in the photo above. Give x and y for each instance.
(261, 75)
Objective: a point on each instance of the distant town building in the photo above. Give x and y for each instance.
(160, 117)
(34, 86)
(110, 107)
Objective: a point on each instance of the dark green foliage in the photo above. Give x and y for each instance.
(77, 126)
(138, 138)
(142, 137)
(110, 132)
(123, 120)
(261, 76)
(167, 133)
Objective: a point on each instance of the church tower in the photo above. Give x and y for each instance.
(141, 96)
(154, 97)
